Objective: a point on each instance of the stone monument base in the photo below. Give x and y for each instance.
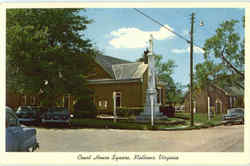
(146, 116)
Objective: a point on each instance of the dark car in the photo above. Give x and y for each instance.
(56, 115)
(29, 114)
(234, 115)
(19, 138)
(168, 111)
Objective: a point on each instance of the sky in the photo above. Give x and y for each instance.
(124, 33)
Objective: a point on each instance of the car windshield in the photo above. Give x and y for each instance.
(234, 111)
(25, 109)
(11, 119)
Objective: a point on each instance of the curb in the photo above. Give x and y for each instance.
(191, 128)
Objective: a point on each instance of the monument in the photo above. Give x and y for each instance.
(151, 108)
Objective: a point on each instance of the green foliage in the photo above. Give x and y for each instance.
(130, 111)
(94, 123)
(85, 108)
(201, 117)
(101, 123)
(224, 57)
(164, 70)
(123, 111)
(207, 71)
(47, 52)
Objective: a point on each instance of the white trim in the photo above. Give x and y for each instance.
(111, 81)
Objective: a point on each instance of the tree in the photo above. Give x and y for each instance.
(206, 73)
(227, 46)
(47, 53)
(164, 71)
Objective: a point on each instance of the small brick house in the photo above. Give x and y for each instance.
(221, 99)
(127, 79)
(109, 74)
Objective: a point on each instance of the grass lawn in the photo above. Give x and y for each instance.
(124, 124)
(202, 118)
(200, 121)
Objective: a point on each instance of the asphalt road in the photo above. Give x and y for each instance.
(217, 139)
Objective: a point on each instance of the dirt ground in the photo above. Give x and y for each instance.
(217, 139)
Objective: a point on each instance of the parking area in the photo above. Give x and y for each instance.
(217, 139)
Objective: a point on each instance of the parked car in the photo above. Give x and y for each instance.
(234, 115)
(168, 111)
(56, 115)
(19, 138)
(29, 114)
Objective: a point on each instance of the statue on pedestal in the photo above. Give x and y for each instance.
(151, 105)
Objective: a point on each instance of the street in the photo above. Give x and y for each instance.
(217, 139)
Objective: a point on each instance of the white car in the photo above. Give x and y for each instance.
(234, 115)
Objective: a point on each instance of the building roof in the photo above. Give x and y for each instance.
(233, 91)
(129, 70)
(106, 63)
(120, 69)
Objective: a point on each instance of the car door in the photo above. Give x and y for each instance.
(13, 132)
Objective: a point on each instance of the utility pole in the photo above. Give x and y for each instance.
(191, 70)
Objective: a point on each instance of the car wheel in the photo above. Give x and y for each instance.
(30, 149)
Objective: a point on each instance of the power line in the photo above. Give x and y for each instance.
(157, 22)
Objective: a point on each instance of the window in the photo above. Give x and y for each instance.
(99, 103)
(118, 99)
(103, 104)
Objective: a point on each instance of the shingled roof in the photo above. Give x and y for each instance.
(129, 70)
(120, 69)
(106, 63)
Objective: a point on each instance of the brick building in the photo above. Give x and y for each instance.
(220, 99)
(109, 74)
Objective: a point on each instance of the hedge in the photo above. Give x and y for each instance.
(85, 108)
(123, 111)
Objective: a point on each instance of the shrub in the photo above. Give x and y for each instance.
(85, 108)
(129, 111)
(122, 111)
(94, 123)
(104, 111)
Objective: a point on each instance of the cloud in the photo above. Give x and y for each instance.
(196, 50)
(136, 38)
